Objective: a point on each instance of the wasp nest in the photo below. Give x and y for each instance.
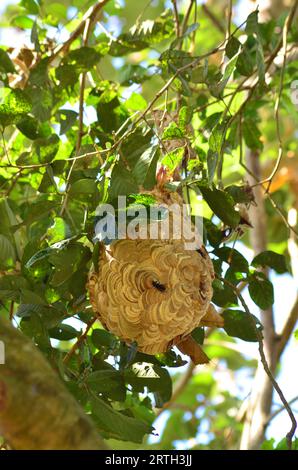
(155, 292)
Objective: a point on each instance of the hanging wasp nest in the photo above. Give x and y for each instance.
(155, 292)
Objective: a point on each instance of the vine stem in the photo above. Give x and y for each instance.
(290, 434)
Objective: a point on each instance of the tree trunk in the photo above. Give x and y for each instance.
(36, 410)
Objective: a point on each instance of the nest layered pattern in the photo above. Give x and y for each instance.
(154, 292)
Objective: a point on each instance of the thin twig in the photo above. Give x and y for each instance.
(217, 23)
(186, 17)
(282, 408)
(176, 18)
(277, 103)
(229, 23)
(80, 340)
(90, 14)
(290, 434)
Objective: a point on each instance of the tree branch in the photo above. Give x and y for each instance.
(80, 340)
(279, 410)
(180, 386)
(266, 367)
(217, 23)
(36, 410)
(287, 329)
(89, 15)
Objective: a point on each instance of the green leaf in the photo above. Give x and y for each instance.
(42, 102)
(184, 117)
(222, 205)
(11, 287)
(118, 425)
(84, 190)
(67, 119)
(31, 6)
(232, 47)
(241, 325)
(22, 22)
(122, 182)
(51, 316)
(245, 64)
(48, 183)
(55, 12)
(35, 328)
(170, 359)
(34, 37)
(215, 142)
(198, 335)
(136, 102)
(261, 292)
(29, 127)
(7, 217)
(63, 332)
(235, 259)
(223, 295)
(47, 149)
(143, 167)
(172, 131)
(212, 161)
(39, 75)
(66, 262)
(283, 445)
(58, 231)
(103, 381)
(229, 69)
(240, 194)
(252, 25)
(143, 34)
(30, 297)
(268, 444)
(135, 145)
(7, 252)
(84, 58)
(6, 65)
(38, 209)
(67, 75)
(131, 73)
(103, 338)
(272, 260)
(260, 62)
(172, 159)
